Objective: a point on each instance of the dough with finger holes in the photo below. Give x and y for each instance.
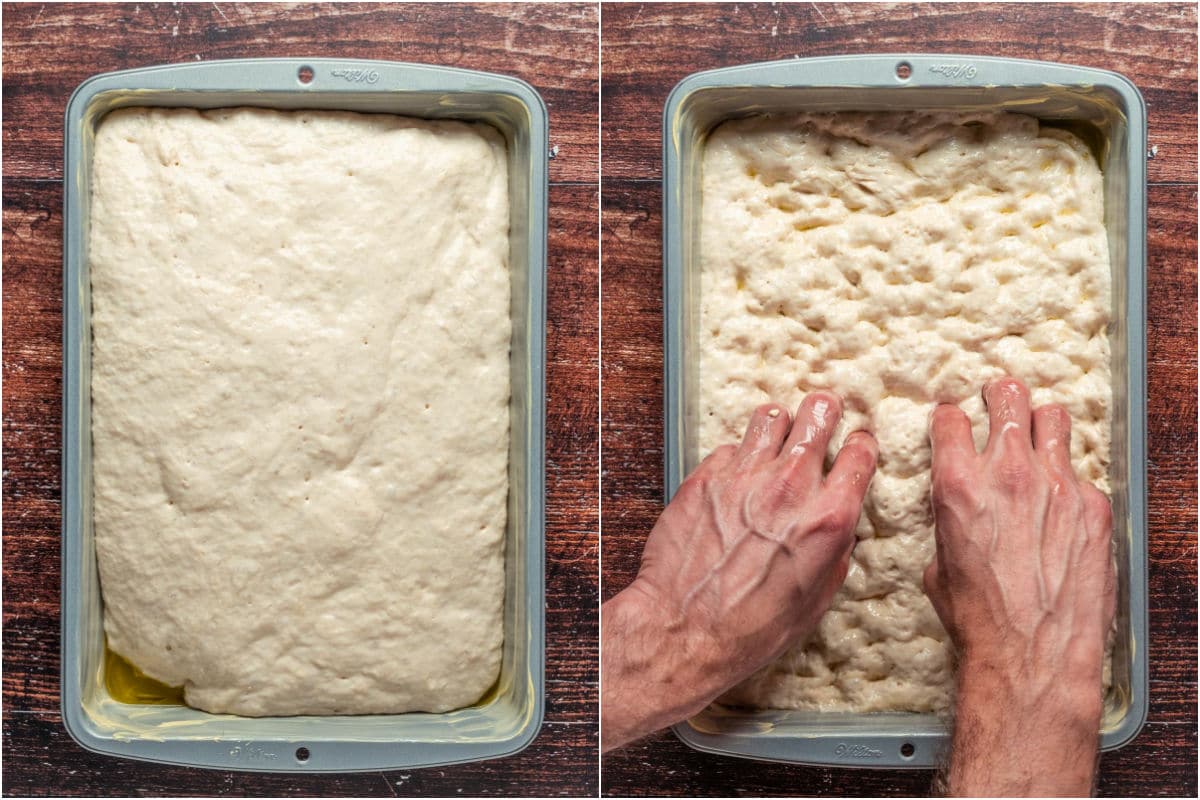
(900, 260)
(300, 388)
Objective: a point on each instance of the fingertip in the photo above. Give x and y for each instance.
(950, 431)
(865, 440)
(772, 412)
(833, 398)
(855, 464)
(1052, 434)
(816, 418)
(945, 413)
(1005, 388)
(1052, 417)
(822, 407)
(1009, 416)
(1056, 413)
(766, 430)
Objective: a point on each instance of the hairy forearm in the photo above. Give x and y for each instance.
(652, 673)
(1023, 740)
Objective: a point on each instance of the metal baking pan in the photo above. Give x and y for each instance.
(509, 717)
(1109, 113)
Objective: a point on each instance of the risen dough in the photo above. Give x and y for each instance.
(899, 260)
(300, 393)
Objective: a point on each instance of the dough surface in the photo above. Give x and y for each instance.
(900, 260)
(300, 388)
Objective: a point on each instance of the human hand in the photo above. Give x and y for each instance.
(1024, 583)
(741, 564)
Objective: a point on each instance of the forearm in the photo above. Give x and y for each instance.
(652, 675)
(1022, 740)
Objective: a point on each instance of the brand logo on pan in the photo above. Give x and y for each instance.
(245, 751)
(967, 71)
(356, 75)
(856, 751)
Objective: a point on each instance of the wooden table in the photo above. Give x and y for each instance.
(646, 50)
(49, 50)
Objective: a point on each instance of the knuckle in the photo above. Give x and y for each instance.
(780, 494)
(1014, 474)
(1060, 486)
(692, 488)
(785, 492)
(1064, 491)
(952, 482)
(1014, 438)
(1098, 500)
(1104, 521)
(722, 455)
(1097, 505)
(836, 519)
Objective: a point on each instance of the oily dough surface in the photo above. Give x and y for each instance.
(900, 260)
(300, 385)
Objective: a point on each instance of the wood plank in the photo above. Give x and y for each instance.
(631, 376)
(649, 48)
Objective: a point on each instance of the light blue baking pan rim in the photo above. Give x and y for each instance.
(511, 718)
(879, 82)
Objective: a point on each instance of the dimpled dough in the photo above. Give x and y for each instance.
(899, 260)
(300, 391)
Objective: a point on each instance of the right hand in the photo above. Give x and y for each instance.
(1023, 578)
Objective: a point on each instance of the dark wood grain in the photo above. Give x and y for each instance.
(48, 51)
(649, 48)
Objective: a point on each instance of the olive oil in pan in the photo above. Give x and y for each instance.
(128, 684)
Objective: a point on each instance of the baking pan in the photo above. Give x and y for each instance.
(509, 717)
(1108, 113)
